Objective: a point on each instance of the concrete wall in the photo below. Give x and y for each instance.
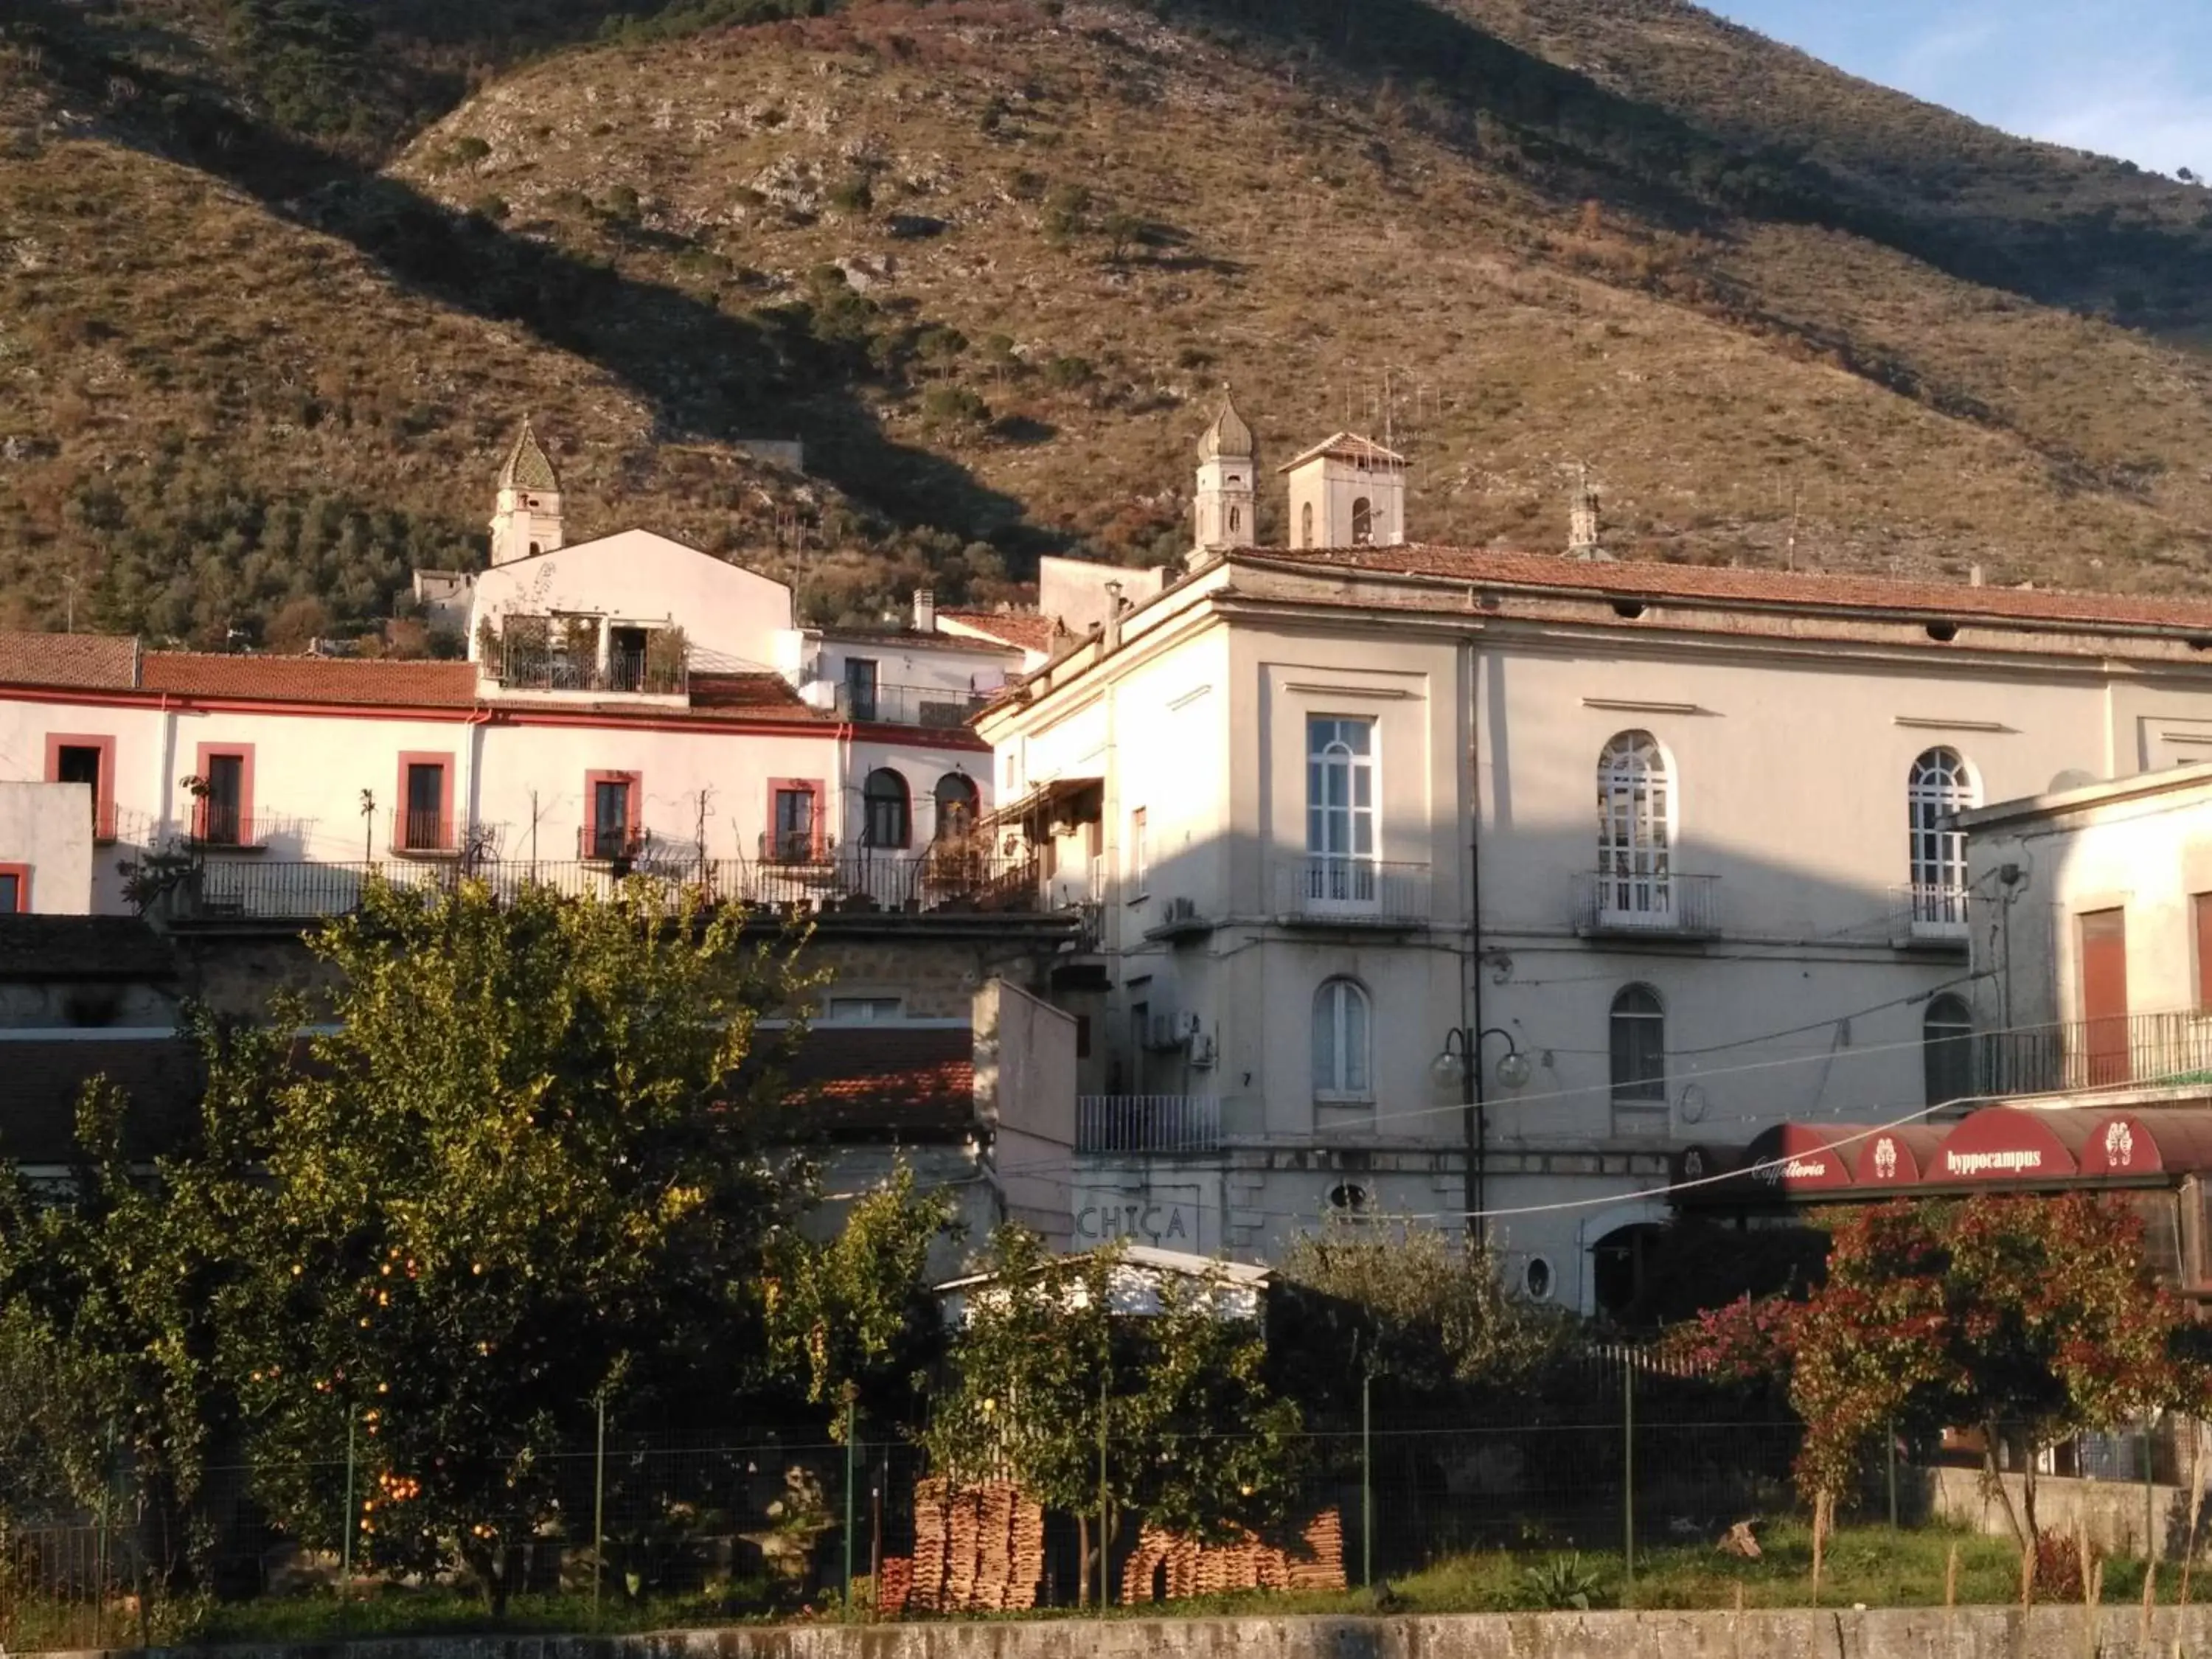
(2114, 1512)
(46, 835)
(1025, 1086)
(1933, 1633)
(1074, 590)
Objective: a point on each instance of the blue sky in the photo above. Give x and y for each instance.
(2131, 78)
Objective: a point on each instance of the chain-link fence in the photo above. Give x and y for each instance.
(1621, 1459)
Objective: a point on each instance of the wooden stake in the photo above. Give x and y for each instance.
(2027, 1572)
(1951, 1580)
(1820, 1538)
(2150, 1600)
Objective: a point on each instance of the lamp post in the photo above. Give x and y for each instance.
(1461, 1060)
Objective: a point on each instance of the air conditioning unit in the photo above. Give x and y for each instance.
(1201, 1051)
(1183, 909)
(1188, 1027)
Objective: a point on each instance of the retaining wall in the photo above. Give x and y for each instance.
(1967, 1633)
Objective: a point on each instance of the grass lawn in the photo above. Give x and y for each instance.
(1869, 1566)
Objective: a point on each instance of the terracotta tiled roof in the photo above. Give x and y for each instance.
(757, 694)
(869, 1081)
(38, 1109)
(1656, 582)
(366, 681)
(1346, 446)
(83, 947)
(98, 661)
(1023, 628)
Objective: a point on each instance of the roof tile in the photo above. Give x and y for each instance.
(362, 681)
(107, 662)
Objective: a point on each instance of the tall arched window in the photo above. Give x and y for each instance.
(1341, 1039)
(1635, 808)
(1947, 1050)
(955, 806)
(1363, 522)
(1938, 786)
(1236, 520)
(1305, 526)
(1639, 1057)
(890, 813)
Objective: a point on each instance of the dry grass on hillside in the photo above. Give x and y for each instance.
(1249, 226)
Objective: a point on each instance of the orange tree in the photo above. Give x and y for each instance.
(512, 1175)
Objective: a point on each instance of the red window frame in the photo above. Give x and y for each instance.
(23, 874)
(248, 834)
(634, 806)
(410, 758)
(103, 804)
(802, 786)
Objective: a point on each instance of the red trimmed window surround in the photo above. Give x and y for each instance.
(222, 815)
(14, 889)
(795, 833)
(422, 818)
(87, 757)
(613, 803)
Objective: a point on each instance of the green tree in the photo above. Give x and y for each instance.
(855, 1313)
(515, 1169)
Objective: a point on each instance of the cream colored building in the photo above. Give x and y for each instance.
(1675, 845)
(2094, 943)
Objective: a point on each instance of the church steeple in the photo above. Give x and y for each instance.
(1583, 529)
(526, 519)
(1227, 486)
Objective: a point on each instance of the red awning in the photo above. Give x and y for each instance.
(1999, 1146)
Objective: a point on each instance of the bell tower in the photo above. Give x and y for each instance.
(1227, 487)
(526, 519)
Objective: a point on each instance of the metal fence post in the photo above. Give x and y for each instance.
(352, 1521)
(2150, 1499)
(1104, 1504)
(1628, 1473)
(1366, 1487)
(600, 1511)
(852, 1412)
(1890, 1432)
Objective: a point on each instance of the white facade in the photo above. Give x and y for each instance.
(45, 849)
(1681, 843)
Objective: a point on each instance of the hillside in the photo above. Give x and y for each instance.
(994, 259)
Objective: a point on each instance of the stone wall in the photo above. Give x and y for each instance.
(1887, 1633)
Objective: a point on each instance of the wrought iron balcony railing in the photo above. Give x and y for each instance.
(1326, 891)
(1647, 904)
(2132, 1051)
(1147, 1123)
(909, 705)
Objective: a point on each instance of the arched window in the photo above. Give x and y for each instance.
(1939, 787)
(1639, 1054)
(890, 813)
(1341, 1036)
(1236, 520)
(1635, 806)
(1947, 1050)
(1363, 522)
(1305, 526)
(955, 806)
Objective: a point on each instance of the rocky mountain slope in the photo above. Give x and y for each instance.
(994, 260)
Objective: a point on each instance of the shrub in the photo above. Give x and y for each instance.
(954, 405)
(852, 195)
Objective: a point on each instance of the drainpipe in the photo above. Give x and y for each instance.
(473, 747)
(1478, 1117)
(165, 761)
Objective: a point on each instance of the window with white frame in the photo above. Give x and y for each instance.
(1635, 831)
(1938, 786)
(1640, 1056)
(1341, 830)
(1342, 1039)
(1140, 854)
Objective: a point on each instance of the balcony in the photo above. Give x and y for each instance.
(2134, 1051)
(1647, 906)
(943, 707)
(214, 827)
(585, 653)
(852, 884)
(1147, 1123)
(1324, 891)
(423, 836)
(1929, 916)
(609, 843)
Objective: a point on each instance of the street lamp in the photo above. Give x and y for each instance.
(1462, 1062)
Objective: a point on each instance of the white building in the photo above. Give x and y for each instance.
(1671, 848)
(621, 706)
